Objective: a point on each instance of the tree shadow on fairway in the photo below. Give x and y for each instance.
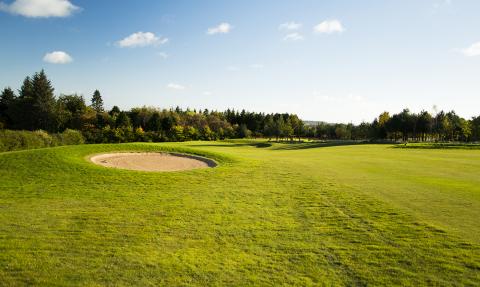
(288, 145)
(467, 146)
(253, 144)
(309, 145)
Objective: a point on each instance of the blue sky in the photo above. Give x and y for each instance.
(337, 61)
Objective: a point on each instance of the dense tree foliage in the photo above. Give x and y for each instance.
(36, 108)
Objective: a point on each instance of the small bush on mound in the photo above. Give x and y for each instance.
(19, 140)
(71, 137)
(43, 139)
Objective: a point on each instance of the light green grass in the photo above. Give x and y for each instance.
(286, 214)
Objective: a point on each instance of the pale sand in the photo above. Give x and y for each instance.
(152, 161)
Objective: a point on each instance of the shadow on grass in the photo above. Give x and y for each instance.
(287, 145)
(465, 146)
(309, 145)
(253, 144)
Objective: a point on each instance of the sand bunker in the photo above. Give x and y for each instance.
(152, 161)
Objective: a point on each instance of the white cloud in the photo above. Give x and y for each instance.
(472, 51)
(40, 8)
(293, 37)
(57, 57)
(207, 93)
(223, 28)
(289, 26)
(174, 86)
(329, 27)
(142, 39)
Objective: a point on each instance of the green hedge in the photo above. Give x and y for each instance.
(19, 140)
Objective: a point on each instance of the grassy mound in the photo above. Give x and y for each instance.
(267, 215)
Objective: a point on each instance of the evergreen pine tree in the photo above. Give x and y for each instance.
(7, 100)
(21, 112)
(97, 102)
(43, 104)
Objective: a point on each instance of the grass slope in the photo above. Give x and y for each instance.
(302, 214)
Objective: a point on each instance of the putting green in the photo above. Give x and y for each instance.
(269, 214)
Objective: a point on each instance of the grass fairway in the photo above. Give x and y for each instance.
(267, 215)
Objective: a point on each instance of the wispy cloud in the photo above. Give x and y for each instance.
(223, 28)
(355, 98)
(233, 69)
(141, 39)
(441, 3)
(257, 66)
(348, 99)
(175, 86)
(293, 37)
(57, 57)
(163, 55)
(40, 8)
(472, 51)
(207, 93)
(290, 26)
(329, 27)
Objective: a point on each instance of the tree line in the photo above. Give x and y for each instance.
(35, 107)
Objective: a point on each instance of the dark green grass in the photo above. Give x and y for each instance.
(345, 215)
(440, 145)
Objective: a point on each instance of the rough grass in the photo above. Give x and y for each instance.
(268, 215)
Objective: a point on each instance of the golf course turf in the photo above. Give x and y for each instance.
(268, 214)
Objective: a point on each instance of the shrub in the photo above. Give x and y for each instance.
(16, 140)
(19, 140)
(71, 137)
(139, 135)
(43, 136)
